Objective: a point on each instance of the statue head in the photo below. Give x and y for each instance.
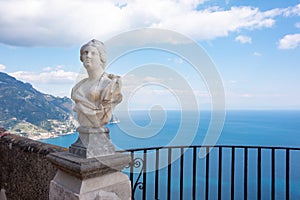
(100, 48)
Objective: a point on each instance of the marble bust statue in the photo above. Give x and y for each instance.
(96, 96)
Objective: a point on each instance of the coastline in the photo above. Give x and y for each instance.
(42, 137)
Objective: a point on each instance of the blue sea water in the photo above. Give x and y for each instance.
(265, 128)
(254, 128)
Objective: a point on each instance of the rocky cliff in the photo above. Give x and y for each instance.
(21, 103)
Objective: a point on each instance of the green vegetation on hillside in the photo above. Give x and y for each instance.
(26, 111)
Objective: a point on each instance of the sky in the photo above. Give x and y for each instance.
(254, 45)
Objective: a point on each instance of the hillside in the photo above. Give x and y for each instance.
(20, 102)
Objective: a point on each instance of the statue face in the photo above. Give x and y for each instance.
(91, 58)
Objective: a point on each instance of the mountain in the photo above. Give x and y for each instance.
(20, 102)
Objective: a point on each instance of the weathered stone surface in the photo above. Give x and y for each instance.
(112, 186)
(92, 142)
(2, 194)
(93, 178)
(25, 171)
(103, 195)
(87, 168)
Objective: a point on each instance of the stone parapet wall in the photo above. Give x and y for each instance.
(25, 171)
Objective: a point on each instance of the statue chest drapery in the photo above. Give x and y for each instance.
(89, 96)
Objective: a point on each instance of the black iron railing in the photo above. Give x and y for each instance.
(215, 172)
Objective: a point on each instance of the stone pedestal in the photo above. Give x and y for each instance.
(92, 142)
(90, 170)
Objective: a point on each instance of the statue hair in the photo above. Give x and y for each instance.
(100, 48)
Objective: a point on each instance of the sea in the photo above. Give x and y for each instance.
(276, 128)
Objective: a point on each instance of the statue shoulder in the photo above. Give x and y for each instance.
(79, 84)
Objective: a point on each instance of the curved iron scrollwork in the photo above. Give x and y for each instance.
(137, 163)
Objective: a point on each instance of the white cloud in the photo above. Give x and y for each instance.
(243, 39)
(54, 81)
(69, 22)
(47, 69)
(2, 67)
(290, 11)
(177, 60)
(246, 95)
(297, 25)
(54, 77)
(201, 94)
(162, 88)
(257, 54)
(232, 81)
(289, 41)
(151, 79)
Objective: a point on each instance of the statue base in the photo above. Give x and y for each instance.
(92, 142)
(91, 170)
(95, 178)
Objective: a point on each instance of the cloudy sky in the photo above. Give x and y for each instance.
(255, 45)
